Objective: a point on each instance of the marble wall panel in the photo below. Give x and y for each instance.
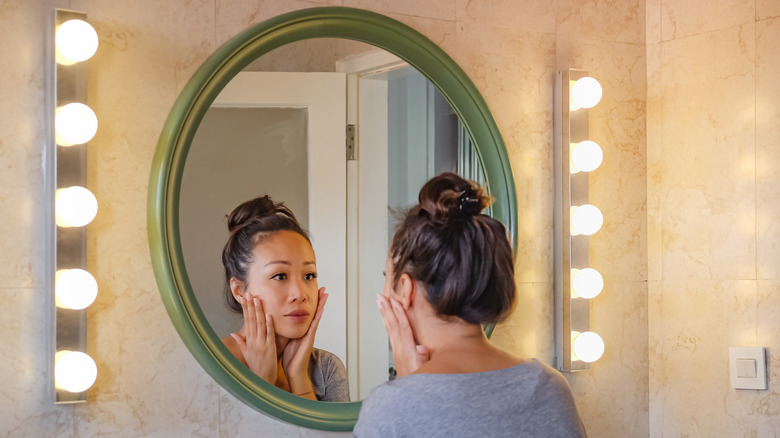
(655, 162)
(603, 20)
(701, 319)
(767, 149)
(682, 18)
(707, 181)
(233, 17)
(535, 16)
(767, 9)
(655, 357)
(653, 13)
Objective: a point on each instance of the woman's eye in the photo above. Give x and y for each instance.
(310, 276)
(280, 277)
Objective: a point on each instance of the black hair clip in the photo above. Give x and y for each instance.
(468, 203)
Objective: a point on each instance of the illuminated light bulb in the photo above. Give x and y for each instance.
(586, 283)
(587, 156)
(74, 206)
(586, 219)
(74, 371)
(74, 289)
(588, 347)
(76, 41)
(74, 123)
(586, 92)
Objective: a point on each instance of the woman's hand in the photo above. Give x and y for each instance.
(259, 344)
(295, 357)
(407, 355)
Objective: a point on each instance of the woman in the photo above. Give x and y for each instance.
(271, 278)
(449, 270)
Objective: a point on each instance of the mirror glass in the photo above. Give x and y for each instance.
(284, 127)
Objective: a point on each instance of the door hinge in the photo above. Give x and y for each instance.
(351, 151)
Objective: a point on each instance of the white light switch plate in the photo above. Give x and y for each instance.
(747, 361)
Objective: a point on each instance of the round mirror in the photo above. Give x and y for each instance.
(368, 49)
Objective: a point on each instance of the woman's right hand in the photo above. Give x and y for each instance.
(258, 345)
(407, 355)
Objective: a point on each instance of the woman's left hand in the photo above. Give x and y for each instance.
(295, 357)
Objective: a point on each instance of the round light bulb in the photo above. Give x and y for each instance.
(587, 283)
(74, 371)
(588, 347)
(587, 156)
(74, 288)
(586, 92)
(76, 41)
(75, 206)
(586, 219)
(74, 123)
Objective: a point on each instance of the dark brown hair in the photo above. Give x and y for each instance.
(249, 224)
(462, 257)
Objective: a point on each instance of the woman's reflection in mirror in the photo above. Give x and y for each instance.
(271, 278)
(449, 269)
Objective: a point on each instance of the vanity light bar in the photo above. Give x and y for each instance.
(575, 219)
(71, 206)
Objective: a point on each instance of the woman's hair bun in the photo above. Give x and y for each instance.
(449, 196)
(254, 209)
(463, 258)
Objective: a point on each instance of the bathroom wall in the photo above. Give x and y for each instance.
(713, 204)
(149, 384)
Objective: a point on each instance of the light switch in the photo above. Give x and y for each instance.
(747, 366)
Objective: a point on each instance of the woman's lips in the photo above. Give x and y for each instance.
(298, 316)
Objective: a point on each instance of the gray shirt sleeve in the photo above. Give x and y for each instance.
(527, 400)
(328, 376)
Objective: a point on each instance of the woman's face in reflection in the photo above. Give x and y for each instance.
(283, 275)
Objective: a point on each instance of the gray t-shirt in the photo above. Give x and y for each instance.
(526, 400)
(328, 376)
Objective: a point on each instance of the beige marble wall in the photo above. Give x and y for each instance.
(713, 204)
(149, 384)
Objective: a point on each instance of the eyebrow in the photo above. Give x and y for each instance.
(285, 262)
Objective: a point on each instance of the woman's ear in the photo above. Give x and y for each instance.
(236, 287)
(406, 290)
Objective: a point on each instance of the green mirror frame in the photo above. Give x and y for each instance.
(179, 130)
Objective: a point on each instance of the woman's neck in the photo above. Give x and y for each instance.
(456, 346)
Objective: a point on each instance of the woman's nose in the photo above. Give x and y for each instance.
(298, 292)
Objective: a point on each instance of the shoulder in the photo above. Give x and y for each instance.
(379, 411)
(329, 376)
(326, 360)
(233, 347)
